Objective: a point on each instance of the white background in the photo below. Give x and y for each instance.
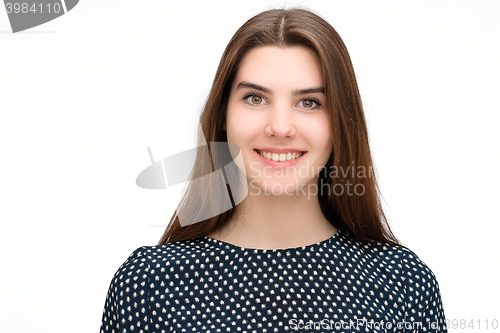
(83, 96)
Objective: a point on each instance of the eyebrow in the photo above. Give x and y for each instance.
(244, 84)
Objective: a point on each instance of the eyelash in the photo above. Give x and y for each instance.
(318, 104)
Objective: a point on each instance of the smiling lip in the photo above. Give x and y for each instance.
(283, 164)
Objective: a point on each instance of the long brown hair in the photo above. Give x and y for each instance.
(361, 215)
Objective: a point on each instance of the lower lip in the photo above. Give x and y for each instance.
(276, 164)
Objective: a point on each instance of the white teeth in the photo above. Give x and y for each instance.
(280, 157)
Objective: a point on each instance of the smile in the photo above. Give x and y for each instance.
(280, 157)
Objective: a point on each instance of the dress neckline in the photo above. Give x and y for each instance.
(226, 245)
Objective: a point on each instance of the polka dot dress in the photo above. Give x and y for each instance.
(337, 285)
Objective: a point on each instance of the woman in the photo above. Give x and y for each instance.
(304, 243)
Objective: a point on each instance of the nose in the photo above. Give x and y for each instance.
(280, 123)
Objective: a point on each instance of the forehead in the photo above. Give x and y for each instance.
(294, 67)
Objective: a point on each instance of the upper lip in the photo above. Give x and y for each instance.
(279, 150)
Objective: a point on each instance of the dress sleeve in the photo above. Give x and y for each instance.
(127, 307)
(423, 305)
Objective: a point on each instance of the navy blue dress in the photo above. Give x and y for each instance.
(337, 285)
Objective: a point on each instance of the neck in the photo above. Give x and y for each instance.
(276, 222)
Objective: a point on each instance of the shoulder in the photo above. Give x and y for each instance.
(403, 271)
(394, 263)
(136, 262)
(135, 284)
(398, 258)
(132, 276)
(151, 260)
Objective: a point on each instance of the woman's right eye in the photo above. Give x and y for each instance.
(255, 99)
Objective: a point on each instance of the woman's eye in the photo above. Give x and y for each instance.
(309, 103)
(255, 99)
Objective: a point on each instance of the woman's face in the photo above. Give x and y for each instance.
(277, 109)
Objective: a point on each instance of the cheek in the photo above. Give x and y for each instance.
(233, 123)
(319, 134)
(241, 125)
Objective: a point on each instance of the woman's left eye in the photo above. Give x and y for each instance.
(309, 103)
